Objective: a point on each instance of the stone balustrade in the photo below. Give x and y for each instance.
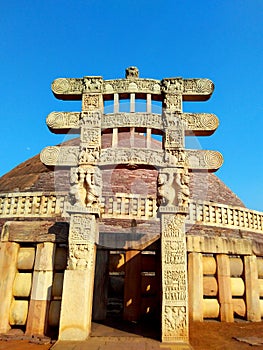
(128, 206)
(31, 204)
(215, 214)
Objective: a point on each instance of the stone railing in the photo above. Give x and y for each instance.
(129, 206)
(215, 214)
(31, 204)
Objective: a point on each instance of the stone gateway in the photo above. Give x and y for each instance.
(173, 161)
(124, 224)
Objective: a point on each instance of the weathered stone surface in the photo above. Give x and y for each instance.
(22, 284)
(218, 245)
(210, 308)
(195, 283)
(26, 258)
(260, 285)
(210, 286)
(236, 267)
(8, 260)
(224, 288)
(252, 289)
(237, 286)
(209, 265)
(41, 289)
(239, 307)
(260, 267)
(35, 231)
(37, 317)
(45, 256)
(42, 284)
(18, 312)
(75, 320)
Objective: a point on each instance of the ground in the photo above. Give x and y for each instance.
(203, 336)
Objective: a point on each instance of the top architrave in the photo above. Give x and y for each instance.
(190, 89)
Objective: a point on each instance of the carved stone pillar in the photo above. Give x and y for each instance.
(76, 308)
(173, 200)
(84, 211)
(174, 278)
(172, 89)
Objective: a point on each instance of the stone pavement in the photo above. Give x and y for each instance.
(109, 338)
(121, 343)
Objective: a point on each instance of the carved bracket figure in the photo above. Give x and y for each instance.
(85, 186)
(165, 190)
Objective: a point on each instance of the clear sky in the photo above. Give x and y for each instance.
(216, 39)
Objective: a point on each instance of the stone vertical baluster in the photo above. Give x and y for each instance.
(41, 289)
(8, 269)
(224, 288)
(252, 289)
(132, 103)
(195, 283)
(115, 130)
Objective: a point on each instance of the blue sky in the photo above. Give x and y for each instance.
(217, 39)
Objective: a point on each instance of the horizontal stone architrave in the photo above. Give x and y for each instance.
(194, 123)
(219, 245)
(197, 89)
(194, 159)
(31, 231)
(34, 231)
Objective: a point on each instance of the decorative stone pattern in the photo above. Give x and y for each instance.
(62, 86)
(68, 156)
(197, 89)
(124, 119)
(90, 137)
(174, 281)
(202, 123)
(63, 120)
(93, 84)
(172, 102)
(31, 204)
(60, 156)
(194, 123)
(119, 86)
(82, 229)
(92, 102)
